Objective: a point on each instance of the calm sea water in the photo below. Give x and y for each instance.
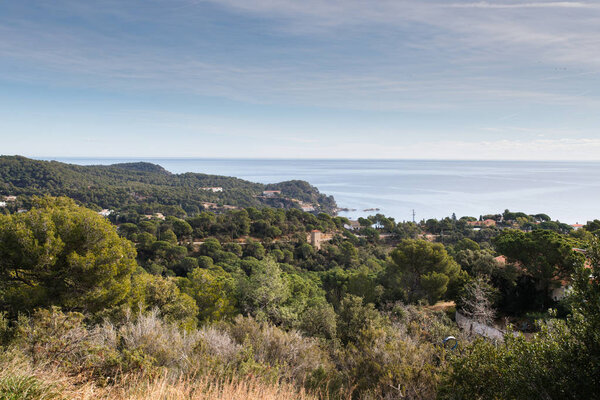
(567, 191)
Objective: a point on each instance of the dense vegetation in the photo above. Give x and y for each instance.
(244, 295)
(146, 187)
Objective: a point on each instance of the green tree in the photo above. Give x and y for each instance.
(182, 229)
(584, 322)
(186, 265)
(254, 249)
(319, 319)
(546, 256)
(64, 255)
(466, 244)
(348, 254)
(210, 247)
(209, 289)
(363, 283)
(160, 293)
(233, 248)
(354, 317)
(562, 361)
(477, 262)
(263, 293)
(593, 226)
(128, 230)
(422, 270)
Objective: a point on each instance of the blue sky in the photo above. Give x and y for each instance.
(302, 79)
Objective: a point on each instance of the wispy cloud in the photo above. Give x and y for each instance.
(470, 45)
(541, 4)
(445, 66)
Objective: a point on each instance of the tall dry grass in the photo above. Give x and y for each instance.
(21, 380)
(56, 355)
(206, 388)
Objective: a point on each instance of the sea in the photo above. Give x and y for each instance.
(566, 191)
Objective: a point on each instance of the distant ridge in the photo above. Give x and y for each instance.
(124, 185)
(142, 167)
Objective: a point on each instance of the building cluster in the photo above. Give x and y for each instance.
(213, 189)
(307, 207)
(105, 212)
(6, 200)
(271, 193)
(352, 225)
(155, 216)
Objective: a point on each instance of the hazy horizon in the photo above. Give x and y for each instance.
(155, 158)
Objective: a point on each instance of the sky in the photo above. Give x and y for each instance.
(301, 79)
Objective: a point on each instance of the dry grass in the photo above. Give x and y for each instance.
(441, 306)
(47, 382)
(207, 388)
(57, 357)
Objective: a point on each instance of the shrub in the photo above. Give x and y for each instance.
(296, 356)
(55, 337)
(150, 340)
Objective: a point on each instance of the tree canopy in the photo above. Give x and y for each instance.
(422, 269)
(65, 255)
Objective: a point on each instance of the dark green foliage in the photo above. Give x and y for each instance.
(264, 292)
(560, 362)
(354, 318)
(303, 191)
(420, 271)
(319, 319)
(64, 255)
(546, 256)
(145, 187)
(593, 226)
(242, 292)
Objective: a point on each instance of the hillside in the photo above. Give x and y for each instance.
(121, 185)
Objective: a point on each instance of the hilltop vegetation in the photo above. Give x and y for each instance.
(146, 186)
(133, 306)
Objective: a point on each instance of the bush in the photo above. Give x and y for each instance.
(296, 356)
(148, 341)
(398, 358)
(55, 337)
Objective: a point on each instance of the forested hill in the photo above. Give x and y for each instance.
(119, 186)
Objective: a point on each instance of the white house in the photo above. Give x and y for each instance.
(213, 189)
(352, 225)
(271, 193)
(2, 204)
(307, 207)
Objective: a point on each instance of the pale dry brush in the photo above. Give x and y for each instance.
(148, 333)
(477, 301)
(54, 384)
(296, 355)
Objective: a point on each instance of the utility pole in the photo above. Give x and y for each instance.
(413, 213)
